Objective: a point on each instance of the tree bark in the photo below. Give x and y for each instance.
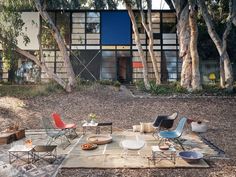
(149, 31)
(226, 69)
(138, 44)
(234, 12)
(170, 4)
(61, 44)
(183, 32)
(196, 80)
(42, 66)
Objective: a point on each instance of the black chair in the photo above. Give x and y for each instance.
(165, 121)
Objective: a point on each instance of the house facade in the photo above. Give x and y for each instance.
(101, 44)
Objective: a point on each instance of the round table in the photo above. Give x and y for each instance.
(132, 144)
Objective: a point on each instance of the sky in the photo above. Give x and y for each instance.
(156, 4)
(159, 4)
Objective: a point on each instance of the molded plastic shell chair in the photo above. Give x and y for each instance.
(165, 122)
(175, 134)
(52, 133)
(69, 128)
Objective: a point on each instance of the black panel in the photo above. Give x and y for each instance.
(92, 58)
(157, 35)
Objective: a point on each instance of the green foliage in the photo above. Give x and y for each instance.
(105, 82)
(163, 89)
(29, 91)
(219, 12)
(10, 29)
(83, 84)
(140, 85)
(175, 88)
(116, 84)
(109, 82)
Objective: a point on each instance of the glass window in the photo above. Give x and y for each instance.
(108, 66)
(169, 27)
(63, 24)
(47, 39)
(93, 22)
(92, 28)
(170, 64)
(93, 14)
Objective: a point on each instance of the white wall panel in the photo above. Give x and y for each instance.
(31, 28)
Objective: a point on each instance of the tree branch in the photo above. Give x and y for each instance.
(170, 4)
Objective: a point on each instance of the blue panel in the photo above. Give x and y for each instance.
(115, 28)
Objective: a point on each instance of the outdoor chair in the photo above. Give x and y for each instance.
(174, 135)
(165, 122)
(70, 129)
(53, 133)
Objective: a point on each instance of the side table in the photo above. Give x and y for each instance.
(158, 154)
(19, 152)
(87, 125)
(44, 151)
(104, 124)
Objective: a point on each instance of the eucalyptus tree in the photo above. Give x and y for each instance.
(10, 29)
(196, 80)
(187, 31)
(149, 31)
(147, 25)
(211, 17)
(128, 5)
(226, 73)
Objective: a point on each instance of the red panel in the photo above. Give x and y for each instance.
(137, 64)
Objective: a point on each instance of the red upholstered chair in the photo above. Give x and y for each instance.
(70, 128)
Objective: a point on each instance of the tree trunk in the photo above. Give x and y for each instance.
(41, 64)
(226, 69)
(149, 32)
(61, 44)
(227, 65)
(196, 80)
(138, 44)
(183, 31)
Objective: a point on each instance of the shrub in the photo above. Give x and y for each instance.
(105, 82)
(116, 84)
(140, 85)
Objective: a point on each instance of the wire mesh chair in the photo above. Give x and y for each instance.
(53, 133)
(70, 129)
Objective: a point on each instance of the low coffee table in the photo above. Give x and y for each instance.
(44, 151)
(158, 154)
(19, 152)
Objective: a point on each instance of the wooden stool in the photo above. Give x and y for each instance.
(102, 124)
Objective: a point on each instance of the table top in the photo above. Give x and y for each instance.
(90, 124)
(21, 148)
(133, 144)
(44, 148)
(157, 149)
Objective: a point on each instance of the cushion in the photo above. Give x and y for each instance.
(147, 127)
(136, 128)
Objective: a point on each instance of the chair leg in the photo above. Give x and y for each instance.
(50, 140)
(74, 130)
(71, 133)
(178, 141)
(161, 139)
(68, 142)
